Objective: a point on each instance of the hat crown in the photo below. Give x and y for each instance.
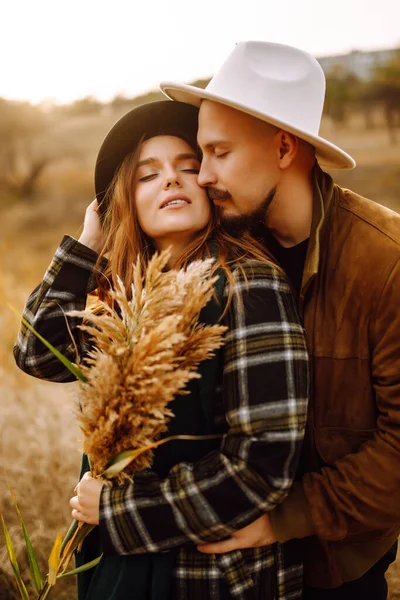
(275, 83)
(274, 79)
(140, 123)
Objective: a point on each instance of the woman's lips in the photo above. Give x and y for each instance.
(176, 199)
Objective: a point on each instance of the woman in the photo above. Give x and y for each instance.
(254, 390)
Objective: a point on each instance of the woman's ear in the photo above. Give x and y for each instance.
(288, 146)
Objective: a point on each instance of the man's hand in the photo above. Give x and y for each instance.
(258, 533)
(86, 504)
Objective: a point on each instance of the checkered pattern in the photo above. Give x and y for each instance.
(264, 398)
(262, 405)
(66, 283)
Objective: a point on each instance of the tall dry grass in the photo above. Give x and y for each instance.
(39, 447)
(39, 455)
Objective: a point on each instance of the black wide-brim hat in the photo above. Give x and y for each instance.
(141, 123)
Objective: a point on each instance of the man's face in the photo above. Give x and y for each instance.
(240, 161)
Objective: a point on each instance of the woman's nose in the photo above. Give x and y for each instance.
(172, 180)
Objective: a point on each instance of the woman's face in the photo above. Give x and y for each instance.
(169, 202)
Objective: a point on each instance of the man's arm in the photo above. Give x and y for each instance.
(265, 401)
(361, 492)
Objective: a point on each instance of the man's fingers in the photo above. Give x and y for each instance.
(219, 547)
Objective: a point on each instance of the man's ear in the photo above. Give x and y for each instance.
(288, 146)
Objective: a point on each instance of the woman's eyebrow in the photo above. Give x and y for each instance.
(178, 157)
(146, 161)
(186, 156)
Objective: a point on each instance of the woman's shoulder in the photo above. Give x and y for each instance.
(260, 292)
(254, 270)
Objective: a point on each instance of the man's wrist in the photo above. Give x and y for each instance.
(292, 518)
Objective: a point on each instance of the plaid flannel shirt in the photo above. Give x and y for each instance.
(263, 402)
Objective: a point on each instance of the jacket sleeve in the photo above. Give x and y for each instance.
(265, 390)
(66, 283)
(361, 492)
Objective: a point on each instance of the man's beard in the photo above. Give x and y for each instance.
(253, 222)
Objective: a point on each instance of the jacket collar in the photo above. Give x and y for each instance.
(323, 197)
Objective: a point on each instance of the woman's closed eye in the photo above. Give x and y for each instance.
(148, 177)
(193, 169)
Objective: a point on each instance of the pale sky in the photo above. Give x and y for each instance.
(61, 50)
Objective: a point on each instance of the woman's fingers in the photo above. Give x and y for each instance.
(87, 500)
(92, 234)
(74, 502)
(76, 512)
(78, 516)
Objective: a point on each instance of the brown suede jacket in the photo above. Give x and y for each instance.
(348, 497)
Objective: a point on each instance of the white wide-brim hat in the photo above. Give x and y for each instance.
(278, 84)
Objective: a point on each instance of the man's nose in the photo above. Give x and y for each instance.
(206, 176)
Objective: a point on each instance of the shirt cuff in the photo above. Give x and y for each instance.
(106, 524)
(292, 519)
(74, 247)
(77, 273)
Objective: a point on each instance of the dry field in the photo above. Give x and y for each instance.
(39, 441)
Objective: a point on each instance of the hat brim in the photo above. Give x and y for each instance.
(143, 122)
(328, 154)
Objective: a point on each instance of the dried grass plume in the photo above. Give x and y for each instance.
(145, 351)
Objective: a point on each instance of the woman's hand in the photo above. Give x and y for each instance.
(92, 234)
(86, 504)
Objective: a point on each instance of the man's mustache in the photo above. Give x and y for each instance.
(216, 194)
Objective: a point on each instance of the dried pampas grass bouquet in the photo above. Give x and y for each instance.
(145, 351)
(146, 347)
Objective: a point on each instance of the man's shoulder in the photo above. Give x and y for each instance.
(381, 223)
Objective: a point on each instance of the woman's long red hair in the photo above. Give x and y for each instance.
(126, 241)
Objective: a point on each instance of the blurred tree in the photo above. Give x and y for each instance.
(342, 88)
(20, 161)
(122, 102)
(151, 96)
(85, 107)
(30, 139)
(386, 82)
(367, 102)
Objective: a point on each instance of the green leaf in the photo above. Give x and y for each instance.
(45, 591)
(33, 562)
(14, 563)
(69, 535)
(82, 568)
(76, 534)
(54, 560)
(122, 460)
(118, 463)
(67, 363)
(84, 531)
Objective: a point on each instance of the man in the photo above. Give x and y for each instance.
(258, 131)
